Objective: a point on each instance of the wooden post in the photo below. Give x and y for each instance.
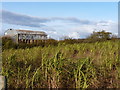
(30, 41)
(3, 82)
(25, 41)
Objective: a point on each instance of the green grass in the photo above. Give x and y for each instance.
(84, 65)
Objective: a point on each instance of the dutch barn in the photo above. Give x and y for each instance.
(25, 36)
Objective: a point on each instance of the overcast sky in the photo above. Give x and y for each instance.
(73, 19)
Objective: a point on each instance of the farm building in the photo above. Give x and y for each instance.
(25, 36)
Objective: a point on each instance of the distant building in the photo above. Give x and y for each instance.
(25, 36)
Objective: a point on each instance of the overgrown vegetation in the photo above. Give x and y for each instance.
(64, 64)
(8, 43)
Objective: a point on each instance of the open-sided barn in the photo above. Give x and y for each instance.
(25, 36)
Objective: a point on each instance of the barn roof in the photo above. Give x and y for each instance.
(20, 31)
(29, 31)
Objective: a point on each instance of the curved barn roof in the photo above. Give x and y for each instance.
(19, 31)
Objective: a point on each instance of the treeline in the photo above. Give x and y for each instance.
(101, 36)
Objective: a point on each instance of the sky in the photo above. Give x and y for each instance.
(59, 19)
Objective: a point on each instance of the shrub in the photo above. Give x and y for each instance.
(8, 43)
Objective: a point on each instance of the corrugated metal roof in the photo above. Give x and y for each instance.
(13, 32)
(29, 31)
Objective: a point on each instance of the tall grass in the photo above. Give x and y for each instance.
(83, 65)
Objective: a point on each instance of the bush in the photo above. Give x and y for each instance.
(8, 43)
(51, 42)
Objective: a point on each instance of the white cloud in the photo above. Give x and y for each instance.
(57, 27)
(74, 35)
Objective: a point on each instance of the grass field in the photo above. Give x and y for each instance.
(83, 65)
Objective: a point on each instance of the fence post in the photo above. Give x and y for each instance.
(3, 82)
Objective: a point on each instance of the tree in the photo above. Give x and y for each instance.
(103, 35)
